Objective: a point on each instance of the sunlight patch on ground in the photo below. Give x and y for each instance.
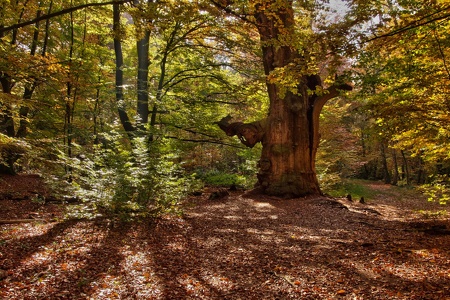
(175, 246)
(20, 231)
(391, 212)
(232, 217)
(363, 270)
(263, 206)
(219, 282)
(213, 241)
(266, 235)
(226, 230)
(202, 215)
(260, 232)
(413, 269)
(41, 257)
(138, 267)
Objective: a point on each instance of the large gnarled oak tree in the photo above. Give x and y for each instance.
(290, 133)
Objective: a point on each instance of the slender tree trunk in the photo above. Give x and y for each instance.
(159, 92)
(421, 174)
(363, 145)
(15, 31)
(70, 96)
(6, 113)
(29, 88)
(47, 30)
(386, 173)
(406, 168)
(96, 111)
(395, 175)
(142, 75)
(121, 107)
(142, 79)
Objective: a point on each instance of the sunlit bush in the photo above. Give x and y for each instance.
(11, 150)
(438, 190)
(128, 180)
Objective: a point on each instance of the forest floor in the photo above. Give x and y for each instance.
(242, 246)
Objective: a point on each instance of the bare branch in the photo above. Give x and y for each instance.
(190, 130)
(441, 51)
(205, 141)
(248, 133)
(417, 23)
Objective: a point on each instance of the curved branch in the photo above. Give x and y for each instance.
(204, 142)
(229, 11)
(330, 93)
(249, 134)
(319, 102)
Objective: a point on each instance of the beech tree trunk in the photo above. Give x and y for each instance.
(386, 173)
(286, 167)
(142, 75)
(395, 173)
(290, 133)
(124, 119)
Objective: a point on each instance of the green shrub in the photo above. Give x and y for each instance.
(356, 188)
(438, 190)
(11, 150)
(224, 179)
(128, 180)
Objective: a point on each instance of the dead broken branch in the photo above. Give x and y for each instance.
(248, 133)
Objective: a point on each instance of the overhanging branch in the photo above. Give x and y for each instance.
(330, 93)
(3, 30)
(204, 141)
(231, 12)
(418, 23)
(248, 133)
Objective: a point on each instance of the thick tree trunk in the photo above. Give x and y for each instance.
(286, 167)
(287, 160)
(290, 134)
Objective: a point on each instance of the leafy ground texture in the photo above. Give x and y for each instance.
(240, 246)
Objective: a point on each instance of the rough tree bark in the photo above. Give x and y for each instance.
(290, 133)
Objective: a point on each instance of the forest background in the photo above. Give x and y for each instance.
(116, 103)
